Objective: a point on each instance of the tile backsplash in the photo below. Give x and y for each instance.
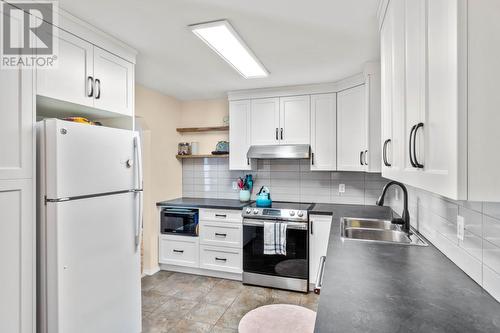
(436, 217)
(288, 180)
(478, 255)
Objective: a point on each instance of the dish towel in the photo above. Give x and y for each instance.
(275, 238)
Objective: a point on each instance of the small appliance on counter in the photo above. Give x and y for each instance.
(263, 198)
(184, 148)
(222, 148)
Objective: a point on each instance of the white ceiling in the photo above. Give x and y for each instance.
(299, 41)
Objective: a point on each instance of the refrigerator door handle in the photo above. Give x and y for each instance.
(138, 225)
(138, 152)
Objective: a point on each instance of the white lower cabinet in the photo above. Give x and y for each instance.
(217, 248)
(221, 258)
(17, 256)
(179, 250)
(319, 235)
(220, 234)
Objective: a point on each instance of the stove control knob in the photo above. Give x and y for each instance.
(248, 211)
(300, 213)
(255, 211)
(292, 213)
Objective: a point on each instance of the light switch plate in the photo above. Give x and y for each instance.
(341, 188)
(396, 194)
(460, 227)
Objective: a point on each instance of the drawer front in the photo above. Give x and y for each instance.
(221, 259)
(179, 252)
(220, 234)
(221, 215)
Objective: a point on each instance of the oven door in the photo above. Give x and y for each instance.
(292, 265)
(179, 221)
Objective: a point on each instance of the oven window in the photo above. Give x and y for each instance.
(294, 264)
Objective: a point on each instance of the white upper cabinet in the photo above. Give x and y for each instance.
(16, 124)
(265, 121)
(449, 116)
(372, 100)
(483, 100)
(295, 117)
(239, 135)
(352, 130)
(72, 80)
(114, 83)
(324, 132)
(342, 128)
(89, 76)
(280, 120)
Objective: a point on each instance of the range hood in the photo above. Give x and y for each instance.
(279, 151)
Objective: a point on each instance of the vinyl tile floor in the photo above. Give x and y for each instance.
(177, 302)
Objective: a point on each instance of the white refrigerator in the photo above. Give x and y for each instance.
(89, 220)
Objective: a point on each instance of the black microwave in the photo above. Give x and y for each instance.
(179, 221)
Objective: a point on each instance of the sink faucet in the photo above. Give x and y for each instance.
(405, 217)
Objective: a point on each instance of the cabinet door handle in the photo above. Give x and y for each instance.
(410, 147)
(365, 158)
(248, 161)
(312, 227)
(282, 133)
(384, 151)
(220, 235)
(221, 259)
(277, 137)
(221, 216)
(178, 251)
(312, 158)
(417, 164)
(98, 88)
(90, 85)
(361, 157)
(319, 276)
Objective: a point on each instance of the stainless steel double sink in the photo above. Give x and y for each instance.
(376, 230)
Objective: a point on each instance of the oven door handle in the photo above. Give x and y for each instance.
(289, 225)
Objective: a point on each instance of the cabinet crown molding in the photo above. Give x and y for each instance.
(310, 89)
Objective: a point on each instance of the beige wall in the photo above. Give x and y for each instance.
(204, 113)
(160, 115)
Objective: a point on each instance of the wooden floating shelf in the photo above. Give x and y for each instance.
(202, 156)
(202, 129)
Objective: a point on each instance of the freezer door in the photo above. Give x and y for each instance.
(93, 265)
(84, 160)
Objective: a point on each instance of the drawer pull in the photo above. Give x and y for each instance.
(220, 259)
(220, 235)
(222, 216)
(178, 251)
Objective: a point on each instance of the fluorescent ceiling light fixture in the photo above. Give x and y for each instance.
(225, 41)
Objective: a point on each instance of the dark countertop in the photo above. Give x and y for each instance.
(204, 203)
(370, 287)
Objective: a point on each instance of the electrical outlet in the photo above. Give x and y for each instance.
(341, 188)
(235, 185)
(460, 227)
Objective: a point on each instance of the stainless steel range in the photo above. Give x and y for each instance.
(285, 271)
